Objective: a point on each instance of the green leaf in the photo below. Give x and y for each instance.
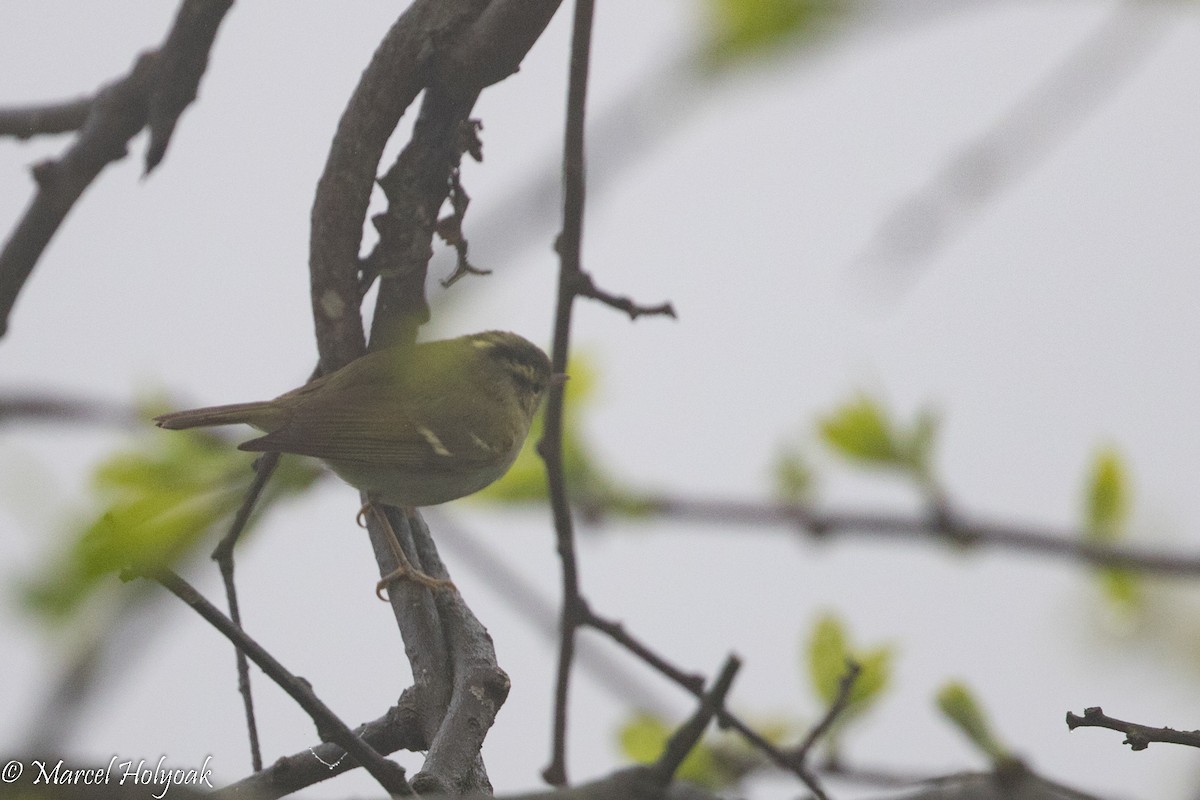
(829, 651)
(918, 443)
(1106, 519)
(876, 672)
(718, 761)
(1122, 587)
(793, 478)
(827, 656)
(959, 705)
(154, 503)
(864, 432)
(644, 738)
(861, 431)
(744, 29)
(1106, 499)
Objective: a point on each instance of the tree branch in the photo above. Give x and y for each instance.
(980, 171)
(550, 447)
(389, 774)
(953, 527)
(398, 729)
(694, 685)
(586, 287)
(264, 468)
(38, 407)
(688, 735)
(835, 710)
(1138, 737)
(30, 121)
(155, 92)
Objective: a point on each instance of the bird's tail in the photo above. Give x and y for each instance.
(262, 415)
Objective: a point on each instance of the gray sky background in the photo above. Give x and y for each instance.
(1058, 318)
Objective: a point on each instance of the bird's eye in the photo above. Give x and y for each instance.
(525, 378)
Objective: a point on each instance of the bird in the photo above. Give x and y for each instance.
(410, 425)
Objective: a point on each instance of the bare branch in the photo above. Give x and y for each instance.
(478, 688)
(118, 113)
(458, 684)
(586, 287)
(476, 45)
(979, 172)
(398, 729)
(264, 468)
(693, 682)
(389, 774)
(183, 59)
(27, 406)
(155, 92)
(416, 186)
(955, 528)
(30, 121)
(688, 735)
(694, 685)
(1137, 736)
(840, 702)
(550, 446)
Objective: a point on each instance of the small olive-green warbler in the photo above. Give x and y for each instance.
(410, 425)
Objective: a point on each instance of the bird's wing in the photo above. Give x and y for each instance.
(325, 419)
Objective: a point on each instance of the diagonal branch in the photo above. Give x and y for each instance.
(688, 735)
(980, 171)
(155, 92)
(398, 729)
(389, 774)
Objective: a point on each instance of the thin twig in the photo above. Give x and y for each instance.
(615, 675)
(329, 727)
(694, 685)
(264, 468)
(841, 702)
(1137, 736)
(778, 757)
(685, 738)
(586, 287)
(835, 710)
(450, 228)
(550, 447)
(397, 729)
(693, 682)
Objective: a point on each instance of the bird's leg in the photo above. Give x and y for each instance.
(404, 568)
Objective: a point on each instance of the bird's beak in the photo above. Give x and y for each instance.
(559, 378)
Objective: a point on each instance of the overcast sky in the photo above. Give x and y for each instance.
(1054, 318)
